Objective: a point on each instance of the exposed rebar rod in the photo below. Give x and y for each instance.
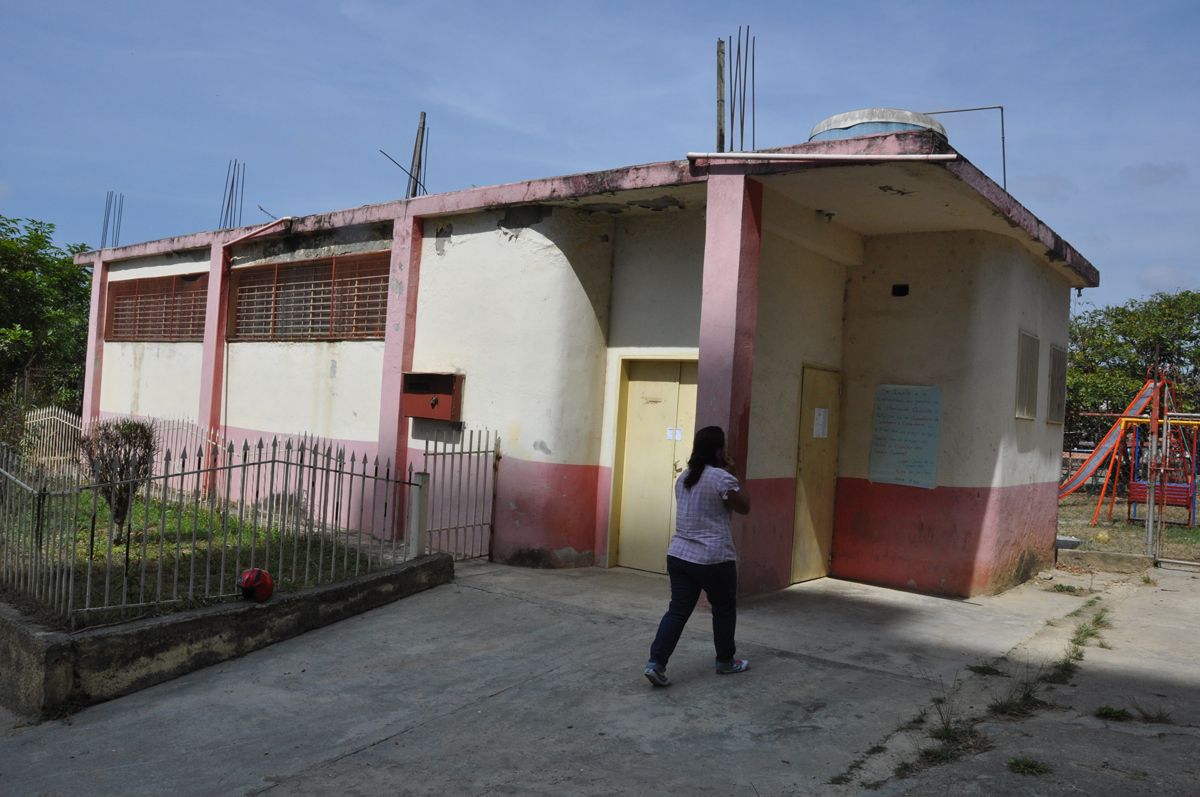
(1003, 151)
(720, 95)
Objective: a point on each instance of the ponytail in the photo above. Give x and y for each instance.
(705, 446)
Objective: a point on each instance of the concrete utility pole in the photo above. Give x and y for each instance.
(720, 95)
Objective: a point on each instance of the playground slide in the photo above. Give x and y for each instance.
(1100, 455)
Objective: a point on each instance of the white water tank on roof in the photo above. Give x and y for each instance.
(869, 121)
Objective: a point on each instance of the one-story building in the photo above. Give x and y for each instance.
(880, 328)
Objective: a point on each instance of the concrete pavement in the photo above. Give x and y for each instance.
(516, 681)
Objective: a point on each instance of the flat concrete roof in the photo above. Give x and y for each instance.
(871, 198)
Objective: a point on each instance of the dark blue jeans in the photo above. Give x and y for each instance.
(719, 583)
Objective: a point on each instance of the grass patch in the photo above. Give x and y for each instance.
(1028, 766)
(1113, 714)
(906, 769)
(1066, 588)
(876, 750)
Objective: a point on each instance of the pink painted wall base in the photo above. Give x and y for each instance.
(950, 540)
(764, 537)
(545, 514)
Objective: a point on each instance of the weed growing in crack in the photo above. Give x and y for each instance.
(876, 750)
(1160, 715)
(1021, 697)
(986, 669)
(1149, 579)
(1113, 714)
(1028, 766)
(1061, 671)
(847, 775)
(916, 722)
(940, 754)
(906, 769)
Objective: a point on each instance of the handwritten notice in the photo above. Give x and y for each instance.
(904, 445)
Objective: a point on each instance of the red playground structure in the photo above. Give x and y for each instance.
(1159, 445)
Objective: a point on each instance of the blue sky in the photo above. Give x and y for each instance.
(153, 99)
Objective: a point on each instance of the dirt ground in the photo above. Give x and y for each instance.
(1076, 511)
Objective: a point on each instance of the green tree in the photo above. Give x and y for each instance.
(44, 304)
(1112, 349)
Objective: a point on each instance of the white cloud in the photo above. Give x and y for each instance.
(1166, 278)
(1155, 173)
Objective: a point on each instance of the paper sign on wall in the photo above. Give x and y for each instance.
(821, 422)
(904, 443)
(674, 434)
(679, 434)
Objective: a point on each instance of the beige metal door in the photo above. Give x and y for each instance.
(816, 473)
(685, 425)
(659, 425)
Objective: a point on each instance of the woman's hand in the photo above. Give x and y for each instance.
(737, 500)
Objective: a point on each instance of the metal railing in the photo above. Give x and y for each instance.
(462, 471)
(305, 512)
(53, 436)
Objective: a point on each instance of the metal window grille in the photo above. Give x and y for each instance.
(339, 298)
(1056, 404)
(1027, 376)
(158, 308)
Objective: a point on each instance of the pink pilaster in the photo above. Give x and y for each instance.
(212, 377)
(729, 308)
(94, 366)
(407, 235)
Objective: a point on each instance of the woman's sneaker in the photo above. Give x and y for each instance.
(729, 667)
(657, 677)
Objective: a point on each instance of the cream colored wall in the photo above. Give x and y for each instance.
(327, 388)
(523, 311)
(658, 277)
(152, 379)
(799, 323)
(970, 295)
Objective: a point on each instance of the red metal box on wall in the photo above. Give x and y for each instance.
(436, 396)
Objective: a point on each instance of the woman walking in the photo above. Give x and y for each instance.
(701, 555)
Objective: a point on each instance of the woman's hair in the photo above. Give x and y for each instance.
(707, 443)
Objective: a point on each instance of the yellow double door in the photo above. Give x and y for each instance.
(660, 422)
(659, 415)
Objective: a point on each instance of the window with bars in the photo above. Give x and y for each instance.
(335, 299)
(157, 308)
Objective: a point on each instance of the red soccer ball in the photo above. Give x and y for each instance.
(256, 584)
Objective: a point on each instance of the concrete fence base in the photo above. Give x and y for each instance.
(1106, 561)
(43, 671)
